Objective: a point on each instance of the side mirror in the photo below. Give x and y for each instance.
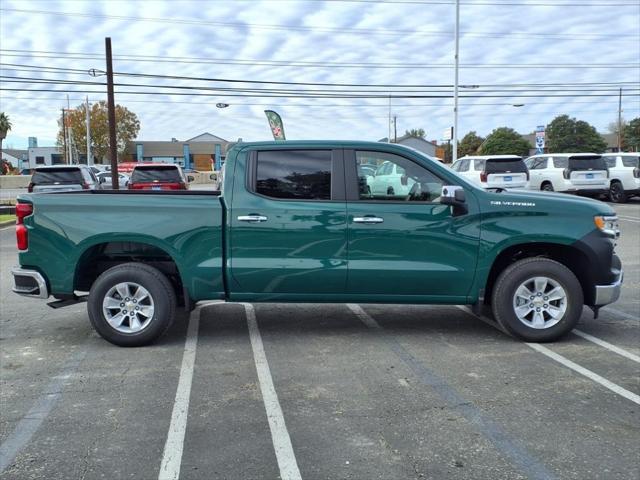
(190, 178)
(454, 195)
(213, 176)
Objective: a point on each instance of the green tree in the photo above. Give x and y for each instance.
(566, 134)
(5, 126)
(127, 128)
(469, 144)
(631, 134)
(415, 132)
(505, 141)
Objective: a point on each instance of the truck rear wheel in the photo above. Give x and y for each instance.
(131, 305)
(537, 300)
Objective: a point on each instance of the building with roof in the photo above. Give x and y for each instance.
(417, 143)
(15, 157)
(198, 153)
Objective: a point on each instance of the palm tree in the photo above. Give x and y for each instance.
(5, 126)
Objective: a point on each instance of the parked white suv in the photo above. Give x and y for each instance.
(624, 174)
(584, 173)
(494, 171)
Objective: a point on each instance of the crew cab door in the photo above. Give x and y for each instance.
(407, 246)
(288, 225)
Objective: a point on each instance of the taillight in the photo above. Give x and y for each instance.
(483, 176)
(636, 172)
(566, 173)
(30, 187)
(22, 238)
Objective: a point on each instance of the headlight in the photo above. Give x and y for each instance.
(608, 224)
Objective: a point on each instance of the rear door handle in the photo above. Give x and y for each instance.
(252, 218)
(367, 220)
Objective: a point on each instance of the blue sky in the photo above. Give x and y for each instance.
(399, 43)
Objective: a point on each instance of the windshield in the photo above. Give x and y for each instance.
(57, 175)
(156, 174)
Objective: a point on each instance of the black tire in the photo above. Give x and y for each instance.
(518, 273)
(617, 193)
(547, 187)
(160, 290)
(390, 191)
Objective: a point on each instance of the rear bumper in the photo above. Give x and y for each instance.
(606, 294)
(29, 283)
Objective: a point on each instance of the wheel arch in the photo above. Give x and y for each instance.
(98, 257)
(568, 255)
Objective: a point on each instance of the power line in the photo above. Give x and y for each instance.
(271, 95)
(307, 64)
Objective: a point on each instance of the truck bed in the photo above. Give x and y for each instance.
(72, 231)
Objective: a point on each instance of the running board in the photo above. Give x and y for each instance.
(65, 302)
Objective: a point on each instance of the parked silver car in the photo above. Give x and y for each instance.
(105, 180)
(59, 178)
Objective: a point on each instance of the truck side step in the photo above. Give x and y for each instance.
(65, 302)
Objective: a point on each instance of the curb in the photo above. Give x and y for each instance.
(7, 223)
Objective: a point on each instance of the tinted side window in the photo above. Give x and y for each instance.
(296, 174)
(631, 161)
(464, 166)
(540, 163)
(610, 161)
(560, 162)
(479, 164)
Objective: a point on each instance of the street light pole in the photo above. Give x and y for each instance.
(455, 86)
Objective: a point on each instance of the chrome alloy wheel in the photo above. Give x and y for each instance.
(128, 307)
(540, 302)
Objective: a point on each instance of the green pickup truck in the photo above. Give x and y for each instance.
(320, 221)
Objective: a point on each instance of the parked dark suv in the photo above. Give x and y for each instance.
(158, 177)
(59, 178)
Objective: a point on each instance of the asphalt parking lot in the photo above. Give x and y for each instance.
(270, 391)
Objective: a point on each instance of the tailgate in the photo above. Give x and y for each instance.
(588, 177)
(507, 180)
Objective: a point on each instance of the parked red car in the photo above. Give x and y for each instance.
(158, 177)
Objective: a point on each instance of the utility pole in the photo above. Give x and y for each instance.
(389, 120)
(395, 130)
(113, 147)
(70, 157)
(620, 121)
(86, 106)
(455, 87)
(64, 136)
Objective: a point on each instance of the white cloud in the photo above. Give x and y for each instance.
(184, 32)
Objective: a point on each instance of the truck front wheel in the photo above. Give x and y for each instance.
(131, 305)
(537, 300)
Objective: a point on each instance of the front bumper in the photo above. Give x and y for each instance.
(29, 283)
(606, 294)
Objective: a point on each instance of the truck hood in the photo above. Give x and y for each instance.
(547, 200)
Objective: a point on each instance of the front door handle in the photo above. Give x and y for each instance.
(252, 218)
(367, 220)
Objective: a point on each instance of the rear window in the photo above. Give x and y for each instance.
(587, 163)
(160, 173)
(611, 161)
(631, 161)
(500, 165)
(57, 176)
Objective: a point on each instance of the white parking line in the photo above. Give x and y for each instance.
(279, 435)
(607, 345)
(172, 455)
(586, 372)
(568, 363)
